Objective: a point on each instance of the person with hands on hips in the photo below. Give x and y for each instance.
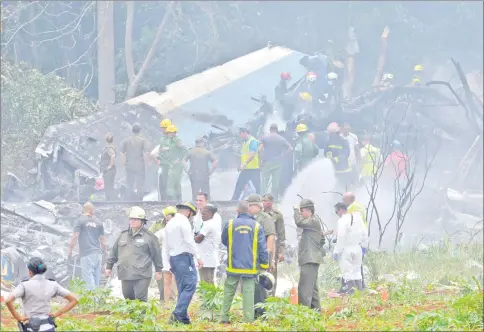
(37, 293)
(135, 251)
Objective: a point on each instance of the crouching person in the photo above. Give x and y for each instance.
(246, 253)
(36, 294)
(310, 253)
(352, 239)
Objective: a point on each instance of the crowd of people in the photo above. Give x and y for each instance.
(184, 249)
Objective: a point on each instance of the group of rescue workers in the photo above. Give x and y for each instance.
(185, 244)
(254, 239)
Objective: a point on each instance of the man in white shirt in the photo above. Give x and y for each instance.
(201, 201)
(182, 250)
(352, 142)
(208, 242)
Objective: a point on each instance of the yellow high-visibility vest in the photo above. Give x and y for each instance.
(255, 252)
(370, 158)
(358, 207)
(254, 163)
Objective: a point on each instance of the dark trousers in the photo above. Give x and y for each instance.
(245, 176)
(162, 181)
(183, 267)
(135, 181)
(207, 274)
(108, 177)
(260, 296)
(308, 290)
(136, 289)
(200, 185)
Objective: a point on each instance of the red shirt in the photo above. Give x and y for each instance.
(398, 161)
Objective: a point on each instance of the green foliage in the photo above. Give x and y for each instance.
(211, 297)
(31, 102)
(279, 312)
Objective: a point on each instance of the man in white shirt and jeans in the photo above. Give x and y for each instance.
(355, 156)
(182, 250)
(208, 242)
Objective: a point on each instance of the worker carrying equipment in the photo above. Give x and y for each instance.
(165, 123)
(285, 76)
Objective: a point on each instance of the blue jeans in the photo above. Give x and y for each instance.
(183, 267)
(91, 270)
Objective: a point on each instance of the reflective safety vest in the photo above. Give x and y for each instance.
(370, 157)
(358, 207)
(254, 163)
(248, 256)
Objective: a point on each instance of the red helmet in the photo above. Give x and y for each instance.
(99, 184)
(286, 76)
(311, 76)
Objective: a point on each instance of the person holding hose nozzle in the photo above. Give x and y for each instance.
(310, 253)
(36, 294)
(350, 246)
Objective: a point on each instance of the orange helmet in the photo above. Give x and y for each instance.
(286, 76)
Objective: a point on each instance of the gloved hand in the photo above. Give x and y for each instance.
(363, 251)
(336, 257)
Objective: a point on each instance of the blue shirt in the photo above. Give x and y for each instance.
(254, 146)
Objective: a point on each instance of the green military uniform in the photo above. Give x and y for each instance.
(134, 148)
(164, 166)
(135, 253)
(280, 240)
(310, 256)
(199, 158)
(108, 174)
(305, 151)
(174, 155)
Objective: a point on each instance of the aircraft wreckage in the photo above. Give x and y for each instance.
(37, 214)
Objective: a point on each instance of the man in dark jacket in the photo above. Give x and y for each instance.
(310, 253)
(338, 150)
(246, 253)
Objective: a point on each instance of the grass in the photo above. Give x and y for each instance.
(439, 289)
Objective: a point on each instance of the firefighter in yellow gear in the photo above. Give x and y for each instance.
(417, 74)
(370, 159)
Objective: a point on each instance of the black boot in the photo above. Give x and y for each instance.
(359, 284)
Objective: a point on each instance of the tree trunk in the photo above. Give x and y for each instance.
(133, 86)
(105, 53)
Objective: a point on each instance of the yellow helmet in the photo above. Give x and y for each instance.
(169, 210)
(300, 128)
(305, 96)
(171, 129)
(418, 68)
(415, 80)
(165, 123)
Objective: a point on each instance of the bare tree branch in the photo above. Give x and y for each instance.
(133, 86)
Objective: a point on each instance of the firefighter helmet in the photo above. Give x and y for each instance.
(301, 128)
(286, 76)
(311, 76)
(165, 123)
(333, 127)
(305, 96)
(306, 203)
(171, 129)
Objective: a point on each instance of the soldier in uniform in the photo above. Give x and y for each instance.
(135, 250)
(175, 151)
(310, 253)
(199, 172)
(162, 161)
(133, 152)
(37, 293)
(254, 201)
(268, 201)
(107, 166)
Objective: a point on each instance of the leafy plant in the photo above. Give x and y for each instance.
(211, 297)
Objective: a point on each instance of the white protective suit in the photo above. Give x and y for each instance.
(351, 237)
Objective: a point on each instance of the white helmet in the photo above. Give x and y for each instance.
(137, 213)
(387, 77)
(332, 76)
